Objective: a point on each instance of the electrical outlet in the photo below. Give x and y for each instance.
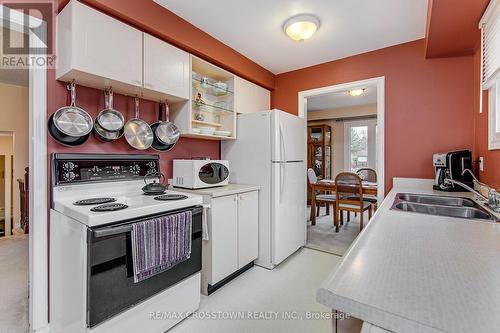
(481, 163)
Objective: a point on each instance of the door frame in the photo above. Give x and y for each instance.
(347, 138)
(379, 82)
(38, 194)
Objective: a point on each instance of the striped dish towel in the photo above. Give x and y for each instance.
(160, 243)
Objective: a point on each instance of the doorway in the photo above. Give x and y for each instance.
(7, 201)
(24, 257)
(345, 134)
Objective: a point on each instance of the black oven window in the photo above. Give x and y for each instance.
(213, 173)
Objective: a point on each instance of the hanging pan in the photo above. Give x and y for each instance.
(70, 125)
(137, 132)
(166, 134)
(109, 124)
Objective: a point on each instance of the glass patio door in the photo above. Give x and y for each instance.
(360, 145)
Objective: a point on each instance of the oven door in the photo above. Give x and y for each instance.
(213, 173)
(110, 282)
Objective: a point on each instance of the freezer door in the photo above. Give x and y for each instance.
(288, 137)
(288, 209)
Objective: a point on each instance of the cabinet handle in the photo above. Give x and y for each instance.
(242, 197)
(235, 198)
(136, 82)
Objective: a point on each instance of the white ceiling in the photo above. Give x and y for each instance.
(341, 99)
(348, 27)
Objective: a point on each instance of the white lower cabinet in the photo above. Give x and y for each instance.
(248, 230)
(233, 236)
(223, 226)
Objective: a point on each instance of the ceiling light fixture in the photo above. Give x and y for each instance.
(356, 92)
(301, 27)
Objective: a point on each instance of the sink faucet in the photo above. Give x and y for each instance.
(493, 195)
(474, 177)
(449, 181)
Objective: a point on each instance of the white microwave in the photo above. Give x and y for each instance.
(200, 173)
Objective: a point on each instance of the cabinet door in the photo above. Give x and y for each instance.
(251, 97)
(248, 228)
(224, 237)
(105, 47)
(166, 68)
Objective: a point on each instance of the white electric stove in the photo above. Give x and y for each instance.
(95, 200)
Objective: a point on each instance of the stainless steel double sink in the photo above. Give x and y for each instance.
(441, 206)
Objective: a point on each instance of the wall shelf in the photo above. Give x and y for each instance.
(206, 123)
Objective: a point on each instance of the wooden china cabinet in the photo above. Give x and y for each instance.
(319, 140)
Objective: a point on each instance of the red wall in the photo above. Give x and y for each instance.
(448, 19)
(92, 101)
(491, 173)
(428, 103)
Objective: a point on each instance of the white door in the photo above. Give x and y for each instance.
(224, 237)
(106, 47)
(166, 68)
(289, 137)
(288, 209)
(248, 227)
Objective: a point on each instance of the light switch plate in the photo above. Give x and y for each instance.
(481, 163)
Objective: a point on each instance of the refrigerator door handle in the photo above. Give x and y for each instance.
(282, 146)
(282, 179)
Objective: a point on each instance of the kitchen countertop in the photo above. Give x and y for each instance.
(221, 191)
(409, 272)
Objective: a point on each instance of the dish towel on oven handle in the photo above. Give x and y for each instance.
(160, 243)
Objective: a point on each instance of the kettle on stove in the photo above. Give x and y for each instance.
(157, 186)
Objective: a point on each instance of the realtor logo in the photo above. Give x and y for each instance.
(27, 34)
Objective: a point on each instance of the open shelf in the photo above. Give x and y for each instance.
(207, 137)
(210, 88)
(206, 123)
(204, 107)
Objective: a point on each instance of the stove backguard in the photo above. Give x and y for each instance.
(97, 168)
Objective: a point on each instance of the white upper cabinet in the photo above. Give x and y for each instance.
(166, 68)
(251, 97)
(92, 43)
(99, 51)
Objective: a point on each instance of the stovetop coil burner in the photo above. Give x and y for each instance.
(109, 207)
(169, 197)
(94, 201)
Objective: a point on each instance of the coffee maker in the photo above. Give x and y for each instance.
(451, 165)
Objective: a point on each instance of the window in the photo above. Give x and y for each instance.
(360, 145)
(490, 45)
(494, 116)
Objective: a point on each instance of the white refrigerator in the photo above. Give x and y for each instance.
(270, 151)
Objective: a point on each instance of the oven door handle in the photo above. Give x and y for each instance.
(128, 227)
(112, 231)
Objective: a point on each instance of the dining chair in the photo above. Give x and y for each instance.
(369, 175)
(320, 198)
(349, 195)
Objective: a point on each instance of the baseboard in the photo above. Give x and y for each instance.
(213, 288)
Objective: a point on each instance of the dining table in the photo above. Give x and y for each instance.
(328, 186)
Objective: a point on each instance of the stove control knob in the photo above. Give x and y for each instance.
(68, 166)
(69, 176)
(95, 170)
(136, 169)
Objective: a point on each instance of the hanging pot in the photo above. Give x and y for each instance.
(159, 131)
(138, 133)
(70, 125)
(111, 118)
